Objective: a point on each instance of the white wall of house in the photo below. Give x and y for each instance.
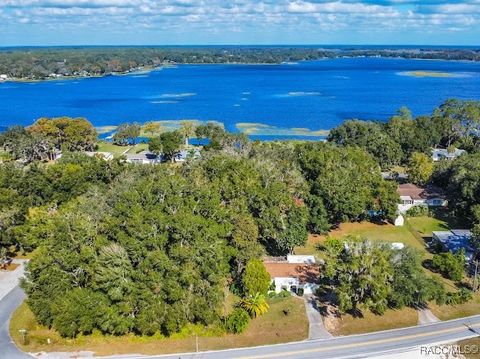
(405, 205)
(292, 284)
(285, 283)
(299, 259)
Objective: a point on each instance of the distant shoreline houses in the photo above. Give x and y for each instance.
(144, 157)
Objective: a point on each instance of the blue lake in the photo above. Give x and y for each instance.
(316, 95)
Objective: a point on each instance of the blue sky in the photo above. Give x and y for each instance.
(136, 22)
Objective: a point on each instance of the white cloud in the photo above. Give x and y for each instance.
(244, 16)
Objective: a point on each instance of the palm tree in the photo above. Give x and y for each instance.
(254, 305)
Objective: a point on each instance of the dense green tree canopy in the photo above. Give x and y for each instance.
(346, 179)
(420, 168)
(71, 134)
(372, 275)
(461, 178)
(126, 134)
(153, 246)
(372, 137)
(168, 144)
(153, 253)
(455, 122)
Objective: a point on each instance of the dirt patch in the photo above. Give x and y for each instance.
(10, 267)
(331, 319)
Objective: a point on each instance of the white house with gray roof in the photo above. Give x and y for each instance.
(443, 153)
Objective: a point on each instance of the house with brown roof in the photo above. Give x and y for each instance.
(412, 195)
(293, 273)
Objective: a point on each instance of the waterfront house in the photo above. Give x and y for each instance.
(296, 274)
(412, 195)
(443, 153)
(144, 158)
(183, 155)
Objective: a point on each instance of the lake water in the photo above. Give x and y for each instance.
(272, 100)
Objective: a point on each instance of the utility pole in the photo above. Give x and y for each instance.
(475, 284)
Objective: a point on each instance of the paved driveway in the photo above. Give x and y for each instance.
(316, 328)
(9, 279)
(8, 304)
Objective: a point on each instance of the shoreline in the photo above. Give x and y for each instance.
(250, 129)
(149, 69)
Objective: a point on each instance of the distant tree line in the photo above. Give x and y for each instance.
(43, 63)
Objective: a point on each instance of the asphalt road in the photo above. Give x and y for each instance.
(7, 305)
(354, 346)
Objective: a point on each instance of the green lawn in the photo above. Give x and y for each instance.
(273, 327)
(375, 232)
(139, 147)
(414, 233)
(117, 151)
(400, 318)
(426, 225)
(113, 149)
(446, 312)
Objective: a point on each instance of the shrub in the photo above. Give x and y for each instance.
(237, 321)
(459, 297)
(418, 211)
(255, 278)
(451, 265)
(282, 294)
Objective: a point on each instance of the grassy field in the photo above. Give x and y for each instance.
(271, 328)
(139, 147)
(117, 151)
(426, 225)
(446, 312)
(368, 230)
(474, 350)
(348, 325)
(113, 149)
(415, 233)
(427, 74)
